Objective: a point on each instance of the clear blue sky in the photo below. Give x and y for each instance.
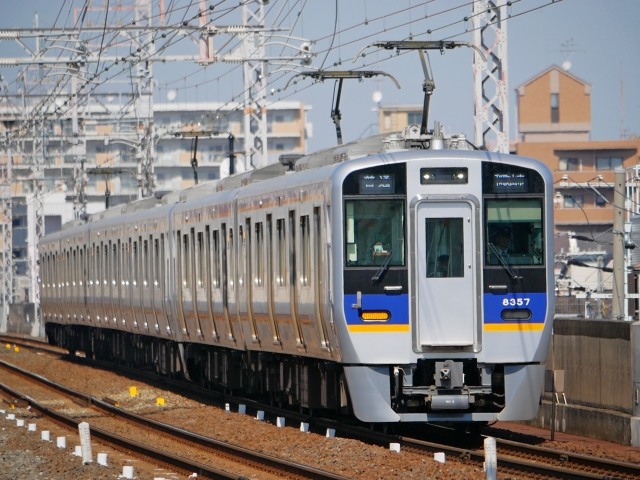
(604, 33)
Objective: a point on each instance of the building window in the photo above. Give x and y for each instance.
(571, 201)
(568, 164)
(279, 146)
(555, 110)
(387, 121)
(599, 201)
(608, 163)
(414, 118)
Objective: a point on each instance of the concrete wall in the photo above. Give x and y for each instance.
(596, 356)
(22, 320)
(601, 360)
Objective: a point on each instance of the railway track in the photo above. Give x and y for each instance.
(513, 457)
(208, 446)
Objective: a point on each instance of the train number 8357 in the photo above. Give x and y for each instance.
(513, 302)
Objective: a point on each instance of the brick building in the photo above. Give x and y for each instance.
(554, 126)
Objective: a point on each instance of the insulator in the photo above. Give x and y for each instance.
(237, 29)
(4, 35)
(232, 59)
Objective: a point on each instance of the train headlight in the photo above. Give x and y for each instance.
(375, 315)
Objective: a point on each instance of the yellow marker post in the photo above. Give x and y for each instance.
(160, 401)
(133, 391)
(17, 349)
(8, 345)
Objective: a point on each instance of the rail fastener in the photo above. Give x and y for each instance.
(15, 402)
(110, 401)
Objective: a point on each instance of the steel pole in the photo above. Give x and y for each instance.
(618, 244)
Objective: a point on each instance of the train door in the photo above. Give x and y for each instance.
(181, 280)
(83, 282)
(135, 282)
(271, 280)
(125, 282)
(208, 279)
(318, 277)
(154, 283)
(227, 283)
(74, 283)
(146, 290)
(162, 309)
(96, 283)
(197, 282)
(293, 279)
(106, 314)
(119, 284)
(446, 255)
(246, 271)
(114, 300)
(217, 284)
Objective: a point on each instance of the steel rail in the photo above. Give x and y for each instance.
(176, 432)
(563, 457)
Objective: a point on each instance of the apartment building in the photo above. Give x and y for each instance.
(105, 134)
(554, 126)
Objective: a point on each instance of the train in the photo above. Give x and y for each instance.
(404, 277)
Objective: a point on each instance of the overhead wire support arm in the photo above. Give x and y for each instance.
(429, 85)
(440, 45)
(340, 76)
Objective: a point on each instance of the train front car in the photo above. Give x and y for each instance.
(443, 268)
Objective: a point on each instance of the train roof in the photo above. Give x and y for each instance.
(409, 139)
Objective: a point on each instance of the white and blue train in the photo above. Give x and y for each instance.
(401, 278)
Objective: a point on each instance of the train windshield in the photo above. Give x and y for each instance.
(513, 232)
(374, 232)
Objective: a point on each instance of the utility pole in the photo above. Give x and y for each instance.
(6, 221)
(618, 310)
(490, 79)
(255, 86)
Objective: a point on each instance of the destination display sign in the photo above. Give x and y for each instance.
(510, 183)
(377, 184)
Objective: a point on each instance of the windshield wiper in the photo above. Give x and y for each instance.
(503, 263)
(385, 265)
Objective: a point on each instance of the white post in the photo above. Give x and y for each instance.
(490, 458)
(85, 442)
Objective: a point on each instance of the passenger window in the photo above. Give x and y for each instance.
(215, 270)
(259, 279)
(74, 267)
(232, 262)
(135, 264)
(186, 264)
(241, 256)
(82, 272)
(105, 271)
(126, 265)
(162, 261)
(282, 253)
(445, 247)
(305, 251)
(99, 269)
(156, 265)
(145, 263)
(200, 260)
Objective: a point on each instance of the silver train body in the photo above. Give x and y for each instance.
(398, 280)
